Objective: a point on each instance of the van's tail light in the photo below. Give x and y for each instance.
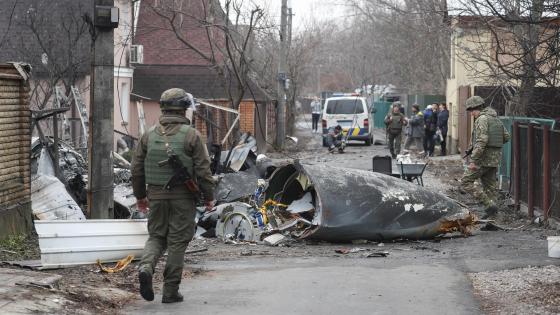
(324, 123)
(366, 123)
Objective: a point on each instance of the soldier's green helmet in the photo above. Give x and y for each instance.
(175, 99)
(474, 102)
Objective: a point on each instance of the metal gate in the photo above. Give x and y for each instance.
(382, 109)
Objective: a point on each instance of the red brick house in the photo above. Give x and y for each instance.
(168, 63)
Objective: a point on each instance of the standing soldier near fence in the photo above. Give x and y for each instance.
(485, 151)
(172, 160)
(395, 121)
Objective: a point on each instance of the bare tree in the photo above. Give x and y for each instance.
(405, 43)
(55, 39)
(229, 34)
(300, 57)
(517, 41)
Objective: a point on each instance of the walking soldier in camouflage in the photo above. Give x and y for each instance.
(395, 121)
(172, 161)
(488, 138)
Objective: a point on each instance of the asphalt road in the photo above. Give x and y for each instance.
(321, 286)
(416, 278)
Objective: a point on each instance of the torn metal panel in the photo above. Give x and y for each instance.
(237, 157)
(354, 204)
(68, 243)
(304, 204)
(235, 186)
(51, 201)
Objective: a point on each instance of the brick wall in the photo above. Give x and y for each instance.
(161, 45)
(247, 121)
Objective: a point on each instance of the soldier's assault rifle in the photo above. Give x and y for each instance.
(180, 174)
(467, 153)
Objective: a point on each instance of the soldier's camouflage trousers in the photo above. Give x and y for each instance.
(395, 143)
(170, 226)
(487, 175)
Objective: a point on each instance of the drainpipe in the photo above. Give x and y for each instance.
(516, 164)
(546, 171)
(530, 171)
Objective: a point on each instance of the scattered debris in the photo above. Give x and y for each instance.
(242, 156)
(350, 251)
(376, 254)
(274, 239)
(492, 226)
(237, 222)
(194, 251)
(121, 264)
(51, 201)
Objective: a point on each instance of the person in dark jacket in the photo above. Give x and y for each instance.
(415, 129)
(442, 120)
(430, 127)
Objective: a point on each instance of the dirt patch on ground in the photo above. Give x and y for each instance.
(531, 290)
(90, 290)
(20, 247)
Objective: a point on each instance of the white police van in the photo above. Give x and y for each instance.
(352, 113)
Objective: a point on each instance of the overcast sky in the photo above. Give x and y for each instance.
(305, 11)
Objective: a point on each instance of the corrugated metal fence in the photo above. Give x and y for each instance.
(536, 168)
(15, 143)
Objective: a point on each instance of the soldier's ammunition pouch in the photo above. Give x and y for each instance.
(495, 133)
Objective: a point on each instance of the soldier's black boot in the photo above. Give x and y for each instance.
(174, 298)
(146, 289)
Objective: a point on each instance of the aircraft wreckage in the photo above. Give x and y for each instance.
(339, 204)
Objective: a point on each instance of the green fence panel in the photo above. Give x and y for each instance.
(507, 154)
(381, 110)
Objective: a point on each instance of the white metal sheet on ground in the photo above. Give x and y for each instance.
(67, 243)
(51, 201)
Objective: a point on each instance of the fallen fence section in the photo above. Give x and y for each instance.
(69, 243)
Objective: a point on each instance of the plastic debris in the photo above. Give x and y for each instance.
(121, 264)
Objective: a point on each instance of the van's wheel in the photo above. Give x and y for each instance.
(369, 141)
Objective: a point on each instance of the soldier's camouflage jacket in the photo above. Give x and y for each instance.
(487, 132)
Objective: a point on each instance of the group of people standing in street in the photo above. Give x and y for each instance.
(423, 129)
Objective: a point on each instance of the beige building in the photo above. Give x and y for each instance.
(474, 68)
(466, 72)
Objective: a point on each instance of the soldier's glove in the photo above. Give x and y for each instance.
(472, 166)
(209, 205)
(142, 205)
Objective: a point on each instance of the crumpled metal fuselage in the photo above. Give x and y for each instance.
(354, 204)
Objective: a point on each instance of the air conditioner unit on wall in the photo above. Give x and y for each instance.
(137, 54)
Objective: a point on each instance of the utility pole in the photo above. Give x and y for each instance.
(100, 138)
(282, 76)
(290, 15)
